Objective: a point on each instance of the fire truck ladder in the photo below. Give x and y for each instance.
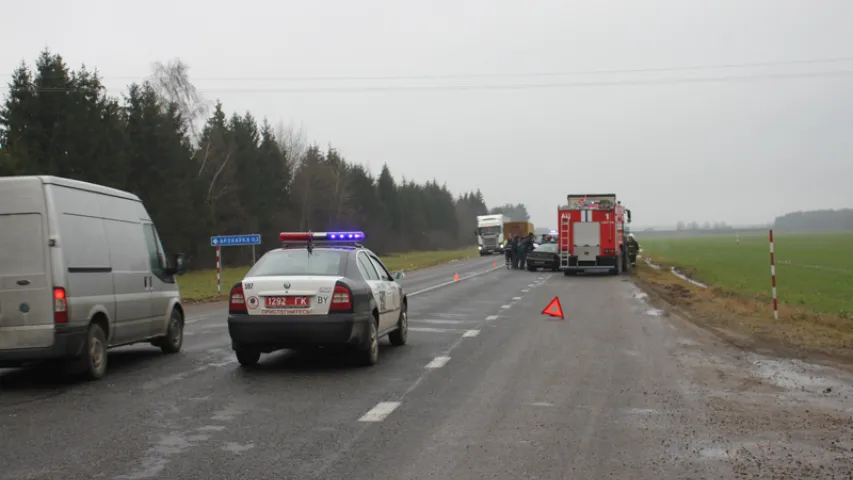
(565, 226)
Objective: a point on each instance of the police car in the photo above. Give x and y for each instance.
(318, 289)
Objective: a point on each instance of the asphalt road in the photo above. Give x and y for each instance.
(486, 388)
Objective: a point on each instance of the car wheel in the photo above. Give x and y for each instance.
(400, 336)
(93, 364)
(174, 339)
(248, 358)
(369, 354)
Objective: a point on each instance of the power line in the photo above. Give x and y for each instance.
(531, 86)
(505, 75)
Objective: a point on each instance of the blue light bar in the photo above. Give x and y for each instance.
(298, 237)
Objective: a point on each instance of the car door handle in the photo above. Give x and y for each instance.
(145, 281)
(23, 282)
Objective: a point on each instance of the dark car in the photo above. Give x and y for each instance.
(318, 289)
(544, 256)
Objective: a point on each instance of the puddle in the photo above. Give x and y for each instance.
(641, 295)
(815, 383)
(653, 265)
(714, 452)
(686, 279)
(654, 312)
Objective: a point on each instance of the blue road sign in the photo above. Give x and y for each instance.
(235, 240)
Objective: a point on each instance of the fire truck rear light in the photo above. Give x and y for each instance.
(60, 306)
(610, 251)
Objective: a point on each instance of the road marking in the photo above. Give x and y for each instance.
(222, 364)
(449, 322)
(506, 306)
(438, 362)
(432, 330)
(428, 289)
(532, 285)
(516, 298)
(471, 333)
(491, 317)
(379, 412)
(526, 290)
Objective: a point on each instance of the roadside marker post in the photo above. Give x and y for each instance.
(773, 278)
(554, 309)
(231, 241)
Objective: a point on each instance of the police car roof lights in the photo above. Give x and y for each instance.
(306, 237)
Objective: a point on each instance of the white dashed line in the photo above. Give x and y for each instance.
(506, 306)
(428, 289)
(431, 330)
(438, 362)
(491, 317)
(532, 285)
(471, 333)
(449, 322)
(526, 290)
(516, 298)
(379, 412)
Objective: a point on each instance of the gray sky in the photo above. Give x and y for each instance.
(736, 151)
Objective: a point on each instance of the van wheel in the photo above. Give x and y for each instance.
(248, 358)
(93, 363)
(174, 339)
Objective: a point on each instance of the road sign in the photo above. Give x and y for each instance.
(235, 240)
(554, 308)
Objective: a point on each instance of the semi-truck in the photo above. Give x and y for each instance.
(490, 233)
(592, 234)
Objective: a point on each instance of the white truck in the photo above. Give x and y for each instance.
(490, 234)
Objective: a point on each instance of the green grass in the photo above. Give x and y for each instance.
(813, 271)
(200, 285)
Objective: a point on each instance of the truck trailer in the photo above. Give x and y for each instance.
(592, 234)
(490, 233)
(522, 229)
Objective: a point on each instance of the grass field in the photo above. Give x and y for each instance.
(201, 285)
(813, 271)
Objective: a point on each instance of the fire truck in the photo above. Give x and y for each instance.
(592, 234)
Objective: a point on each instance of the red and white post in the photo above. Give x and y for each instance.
(219, 271)
(773, 278)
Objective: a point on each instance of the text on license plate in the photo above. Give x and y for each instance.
(287, 302)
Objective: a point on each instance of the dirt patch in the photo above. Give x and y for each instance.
(747, 322)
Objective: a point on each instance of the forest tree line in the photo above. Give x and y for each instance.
(816, 221)
(233, 175)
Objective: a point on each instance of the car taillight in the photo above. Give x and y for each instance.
(60, 305)
(610, 251)
(341, 299)
(237, 302)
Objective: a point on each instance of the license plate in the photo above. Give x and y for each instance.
(287, 302)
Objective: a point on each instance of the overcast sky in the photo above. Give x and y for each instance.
(737, 151)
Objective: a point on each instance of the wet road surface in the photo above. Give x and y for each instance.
(486, 388)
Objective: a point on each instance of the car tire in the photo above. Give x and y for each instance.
(248, 358)
(368, 355)
(531, 269)
(174, 339)
(399, 337)
(93, 363)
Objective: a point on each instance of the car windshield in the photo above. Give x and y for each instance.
(547, 248)
(300, 262)
(490, 230)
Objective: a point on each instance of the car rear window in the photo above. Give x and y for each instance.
(547, 248)
(300, 262)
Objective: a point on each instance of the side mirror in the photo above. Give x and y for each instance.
(398, 275)
(179, 265)
(629, 215)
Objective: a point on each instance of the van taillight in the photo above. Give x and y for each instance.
(341, 299)
(237, 302)
(60, 306)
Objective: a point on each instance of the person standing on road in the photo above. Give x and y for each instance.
(513, 248)
(507, 253)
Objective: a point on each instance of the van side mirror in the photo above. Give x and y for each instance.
(398, 275)
(629, 215)
(179, 265)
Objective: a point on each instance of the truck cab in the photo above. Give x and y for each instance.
(490, 234)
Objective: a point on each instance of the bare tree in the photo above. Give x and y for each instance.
(293, 142)
(172, 82)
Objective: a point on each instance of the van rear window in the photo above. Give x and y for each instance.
(300, 262)
(23, 242)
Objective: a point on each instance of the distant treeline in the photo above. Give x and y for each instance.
(233, 175)
(816, 220)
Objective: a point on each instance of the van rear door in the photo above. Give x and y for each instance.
(26, 298)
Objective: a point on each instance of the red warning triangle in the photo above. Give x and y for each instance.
(554, 308)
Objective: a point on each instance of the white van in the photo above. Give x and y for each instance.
(81, 270)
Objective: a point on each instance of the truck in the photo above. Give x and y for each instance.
(522, 229)
(592, 234)
(490, 233)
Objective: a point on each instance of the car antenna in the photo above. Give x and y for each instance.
(310, 244)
